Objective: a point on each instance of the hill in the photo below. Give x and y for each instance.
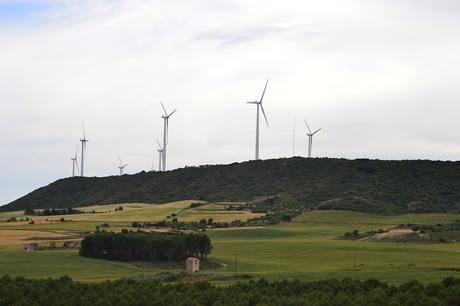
(288, 184)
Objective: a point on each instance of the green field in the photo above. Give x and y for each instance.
(307, 248)
(144, 212)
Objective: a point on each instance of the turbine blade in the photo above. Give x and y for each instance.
(84, 134)
(307, 126)
(172, 113)
(316, 131)
(263, 93)
(119, 158)
(158, 143)
(253, 102)
(76, 151)
(263, 112)
(164, 109)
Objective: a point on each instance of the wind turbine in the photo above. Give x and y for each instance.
(74, 162)
(83, 151)
(259, 106)
(160, 154)
(165, 118)
(293, 136)
(310, 138)
(121, 167)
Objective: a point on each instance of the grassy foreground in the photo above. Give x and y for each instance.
(307, 249)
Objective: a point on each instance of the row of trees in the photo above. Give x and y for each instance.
(52, 211)
(347, 292)
(142, 246)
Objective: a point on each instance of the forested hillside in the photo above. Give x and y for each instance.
(277, 185)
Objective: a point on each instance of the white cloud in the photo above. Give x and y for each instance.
(378, 76)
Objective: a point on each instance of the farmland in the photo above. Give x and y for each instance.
(307, 248)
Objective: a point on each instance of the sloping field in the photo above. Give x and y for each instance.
(306, 248)
(353, 217)
(15, 237)
(143, 212)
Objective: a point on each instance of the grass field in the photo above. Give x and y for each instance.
(306, 248)
(143, 212)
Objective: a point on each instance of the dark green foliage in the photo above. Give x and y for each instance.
(284, 185)
(355, 235)
(124, 292)
(52, 211)
(142, 246)
(193, 205)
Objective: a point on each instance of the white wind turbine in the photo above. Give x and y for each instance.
(83, 151)
(310, 138)
(74, 162)
(165, 118)
(160, 155)
(121, 167)
(259, 107)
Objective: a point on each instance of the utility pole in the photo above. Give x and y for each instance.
(236, 265)
(142, 272)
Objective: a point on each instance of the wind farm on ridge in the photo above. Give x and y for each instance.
(162, 148)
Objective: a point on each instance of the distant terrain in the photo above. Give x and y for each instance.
(290, 185)
(307, 248)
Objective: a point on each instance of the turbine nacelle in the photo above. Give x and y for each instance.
(310, 138)
(74, 162)
(165, 117)
(83, 150)
(122, 166)
(311, 134)
(259, 106)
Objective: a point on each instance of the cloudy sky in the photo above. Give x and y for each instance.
(380, 77)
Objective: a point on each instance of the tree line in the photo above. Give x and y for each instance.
(347, 292)
(143, 246)
(52, 211)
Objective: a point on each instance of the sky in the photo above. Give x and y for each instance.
(379, 77)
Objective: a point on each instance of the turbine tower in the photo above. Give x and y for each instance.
(74, 162)
(83, 151)
(165, 118)
(121, 167)
(310, 138)
(160, 155)
(259, 107)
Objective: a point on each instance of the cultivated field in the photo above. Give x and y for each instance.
(307, 248)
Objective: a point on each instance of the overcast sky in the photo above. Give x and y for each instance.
(380, 77)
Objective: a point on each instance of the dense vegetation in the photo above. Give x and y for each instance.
(279, 186)
(142, 246)
(347, 292)
(417, 233)
(52, 212)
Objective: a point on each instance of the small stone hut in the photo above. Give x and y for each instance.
(29, 247)
(192, 265)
